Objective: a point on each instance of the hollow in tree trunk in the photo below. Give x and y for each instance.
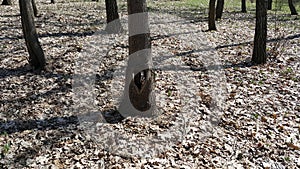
(259, 55)
(112, 17)
(292, 7)
(212, 15)
(6, 2)
(138, 99)
(244, 9)
(36, 54)
(219, 9)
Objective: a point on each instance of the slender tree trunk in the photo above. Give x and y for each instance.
(212, 15)
(36, 54)
(138, 99)
(244, 9)
(6, 2)
(269, 4)
(35, 11)
(219, 9)
(112, 17)
(259, 51)
(292, 7)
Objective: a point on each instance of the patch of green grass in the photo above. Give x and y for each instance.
(169, 93)
(287, 158)
(255, 115)
(230, 5)
(236, 68)
(188, 3)
(6, 148)
(287, 71)
(178, 6)
(295, 79)
(282, 6)
(4, 134)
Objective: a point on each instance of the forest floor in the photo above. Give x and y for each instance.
(215, 109)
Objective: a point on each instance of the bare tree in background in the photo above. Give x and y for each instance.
(259, 55)
(35, 10)
(36, 54)
(212, 15)
(112, 17)
(269, 4)
(244, 9)
(292, 7)
(219, 9)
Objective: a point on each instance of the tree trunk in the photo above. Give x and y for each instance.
(259, 51)
(269, 4)
(112, 17)
(219, 9)
(212, 15)
(35, 11)
(52, 1)
(6, 2)
(138, 99)
(36, 54)
(292, 7)
(244, 9)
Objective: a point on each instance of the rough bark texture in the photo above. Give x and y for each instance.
(112, 17)
(259, 55)
(212, 15)
(292, 7)
(269, 4)
(219, 9)
(6, 2)
(244, 9)
(35, 11)
(36, 54)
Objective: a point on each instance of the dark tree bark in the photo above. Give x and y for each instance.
(269, 4)
(52, 1)
(6, 2)
(259, 55)
(138, 98)
(140, 86)
(244, 9)
(35, 11)
(112, 17)
(219, 9)
(292, 7)
(36, 54)
(212, 15)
